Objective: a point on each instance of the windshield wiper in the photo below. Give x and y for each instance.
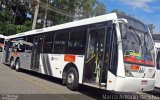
(135, 37)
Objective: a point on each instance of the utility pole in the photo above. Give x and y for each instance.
(35, 15)
(45, 16)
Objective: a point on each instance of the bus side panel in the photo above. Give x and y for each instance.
(53, 64)
(25, 60)
(131, 84)
(7, 56)
(50, 64)
(79, 62)
(3, 56)
(111, 81)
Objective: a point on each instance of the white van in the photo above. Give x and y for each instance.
(157, 75)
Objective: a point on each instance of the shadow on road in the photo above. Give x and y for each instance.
(92, 92)
(42, 76)
(155, 92)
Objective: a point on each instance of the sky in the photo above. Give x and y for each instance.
(147, 11)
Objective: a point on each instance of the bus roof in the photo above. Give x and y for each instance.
(107, 17)
(2, 36)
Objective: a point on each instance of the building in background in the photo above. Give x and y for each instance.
(156, 37)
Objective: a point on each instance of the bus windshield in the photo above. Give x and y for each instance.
(138, 47)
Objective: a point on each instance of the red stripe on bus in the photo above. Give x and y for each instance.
(69, 58)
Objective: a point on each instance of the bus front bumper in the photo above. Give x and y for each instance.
(130, 84)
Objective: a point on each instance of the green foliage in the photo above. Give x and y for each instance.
(92, 8)
(56, 11)
(100, 9)
(22, 28)
(11, 29)
(7, 29)
(62, 11)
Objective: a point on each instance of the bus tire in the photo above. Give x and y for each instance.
(12, 63)
(17, 65)
(72, 79)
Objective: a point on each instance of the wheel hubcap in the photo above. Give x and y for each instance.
(70, 78)
(17, 65)
(12, 63)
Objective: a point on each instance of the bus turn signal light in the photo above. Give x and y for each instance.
(69, 58)
(134, 67)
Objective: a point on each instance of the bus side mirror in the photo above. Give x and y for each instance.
(123, 26)
(120, 20)
(123, 30)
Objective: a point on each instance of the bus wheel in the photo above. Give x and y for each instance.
(12, 63)
(17, 66)
(72, 79)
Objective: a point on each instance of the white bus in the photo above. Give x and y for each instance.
(157, 84)
(113, 52)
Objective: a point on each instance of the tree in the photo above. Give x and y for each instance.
(151, 27)
(56, 12)
(7, 29)
(13, 16)
(99, 9)
(62, 11)
(13, 13)
(25, 27)
(91, 8)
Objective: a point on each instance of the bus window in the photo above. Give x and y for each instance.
(18, 44)
(60, 43)
(29, 44)
(48, 43)
(76, 44)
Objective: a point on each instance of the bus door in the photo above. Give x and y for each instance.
(6, 52)
(157, 84)
(94, 61)
(37, 49)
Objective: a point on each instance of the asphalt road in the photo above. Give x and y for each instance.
(26, 85)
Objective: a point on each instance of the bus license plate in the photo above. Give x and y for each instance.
(144, 82)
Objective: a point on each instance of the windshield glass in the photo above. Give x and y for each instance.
(138, 47)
